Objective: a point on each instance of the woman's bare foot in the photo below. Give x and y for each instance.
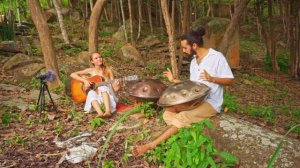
(106, 115)
(140, 150)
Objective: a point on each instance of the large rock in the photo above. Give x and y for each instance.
(64, 11)
(19, 60)
(130, 52)
(215, 30)
(151, 41)
(84, 58)
(75, 15)
(253, 145)
(27, 72)
(49, 16)
(120, 35)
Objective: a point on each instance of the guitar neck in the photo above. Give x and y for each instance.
(107, 82)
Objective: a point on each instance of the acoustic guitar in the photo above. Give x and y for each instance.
(79, 91)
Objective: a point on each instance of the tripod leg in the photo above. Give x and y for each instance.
(43, 98)
(50, 98)
(40, 98)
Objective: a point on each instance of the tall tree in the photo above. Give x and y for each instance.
(130, 23)
(170, 31)
(233, 26)
(45, 38)
(294, 6)
(94, 24)
(186, 16)
(61, 22)
(140, 18)
(270, 37)
(149, 15)
(124, 22)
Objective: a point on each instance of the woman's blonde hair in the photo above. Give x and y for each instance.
(105, 69)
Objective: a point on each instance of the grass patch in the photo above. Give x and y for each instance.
(267, 113)
(230, 103)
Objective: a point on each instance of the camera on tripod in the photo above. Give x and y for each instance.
(49, 76)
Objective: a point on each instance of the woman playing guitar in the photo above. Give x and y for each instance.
(102, 94)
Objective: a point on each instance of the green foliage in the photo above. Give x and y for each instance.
(283, 63)
(267, 113)
(96, 122)
(108, 164)
(7, 117)
(43, 119)
(6, 32)
(230, 103)
(108, 51)
(58, 128)
(262, 81)
(77, 117)
(104, 33)
(151, 68)
(146, 109)
(190, 148)
(281, 94)
(32, 107)
(72, 51)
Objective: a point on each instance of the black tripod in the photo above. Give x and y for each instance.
(41, 100)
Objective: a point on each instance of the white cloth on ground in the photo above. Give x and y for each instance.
(93, 95)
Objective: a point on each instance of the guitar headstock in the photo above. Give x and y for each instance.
(131, 78)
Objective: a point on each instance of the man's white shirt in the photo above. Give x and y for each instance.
(216, 65)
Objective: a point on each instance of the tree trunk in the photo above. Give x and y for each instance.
(91, 5)
(170, 31)
(271, 38)
(93, 25)
(233, 25)
(124, 22)
(149, 15)
(140, 18)
(295, 38)
(61, 22)
(45, 38)
(130, 22)
(160, 16)
(186, 17)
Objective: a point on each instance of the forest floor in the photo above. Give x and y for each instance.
(257, 98)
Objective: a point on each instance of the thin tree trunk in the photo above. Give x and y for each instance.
(233, 25)
(149, 15)
(173, 14)
(130, 22)
(45, 38)
(61, 22)
(160, 16)
(94, 24)
(271, 37)
(91, 5)
(170, 31)
(295, 38)
(140, 18)
(186, 16)
(124, 22)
